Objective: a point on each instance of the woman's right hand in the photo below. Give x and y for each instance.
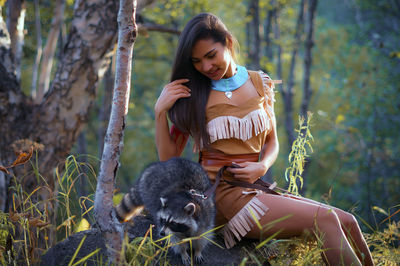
(170, 94)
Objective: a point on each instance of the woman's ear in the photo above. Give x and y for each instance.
(229, 44)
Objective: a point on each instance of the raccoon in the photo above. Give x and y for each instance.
(172, 193)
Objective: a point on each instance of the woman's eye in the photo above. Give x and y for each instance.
(211, 55)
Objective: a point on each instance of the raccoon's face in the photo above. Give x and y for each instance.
(176, 216)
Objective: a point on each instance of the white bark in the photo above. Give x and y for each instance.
(15, 23)
(49, 50)
(103, 205)
(39, 49)
(5, 47)
(3, 191)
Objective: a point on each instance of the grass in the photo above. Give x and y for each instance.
(24, 231)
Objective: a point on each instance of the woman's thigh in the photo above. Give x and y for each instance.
(344, 217)
(288, 216)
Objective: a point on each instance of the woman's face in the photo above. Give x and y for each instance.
(212, 59)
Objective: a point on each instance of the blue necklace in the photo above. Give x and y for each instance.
(230, 84)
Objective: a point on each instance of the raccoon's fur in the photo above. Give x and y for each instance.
(171, 192)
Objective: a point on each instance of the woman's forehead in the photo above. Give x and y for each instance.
(203, 47)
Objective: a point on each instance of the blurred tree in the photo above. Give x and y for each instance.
(39, 49)
(16, 12)
(253, 35)
(58, 119)
(49, 50)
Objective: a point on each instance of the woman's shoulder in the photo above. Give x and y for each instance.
(263, 82)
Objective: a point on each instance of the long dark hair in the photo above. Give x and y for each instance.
(188, 114)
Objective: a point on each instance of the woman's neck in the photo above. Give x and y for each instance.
(231, 70)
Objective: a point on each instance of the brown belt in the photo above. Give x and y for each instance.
(211, 158)
(215, 158)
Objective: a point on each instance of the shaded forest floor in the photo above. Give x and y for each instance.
(25, 232)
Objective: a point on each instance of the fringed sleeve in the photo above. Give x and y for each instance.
(269, 87)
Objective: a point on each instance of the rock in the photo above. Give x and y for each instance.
(62, 253)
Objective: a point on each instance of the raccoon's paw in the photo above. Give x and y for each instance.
(185, 259)
(199, 258)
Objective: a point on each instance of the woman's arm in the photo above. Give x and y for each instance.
(167, 145)
(270, 149)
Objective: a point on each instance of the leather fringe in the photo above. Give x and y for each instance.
(243, 221)
(226, 127)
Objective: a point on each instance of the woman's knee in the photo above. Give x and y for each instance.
(348, 221)
(326, 218)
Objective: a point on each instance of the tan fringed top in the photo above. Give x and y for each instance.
(234, 131)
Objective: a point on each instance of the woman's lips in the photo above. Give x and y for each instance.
(212, 74)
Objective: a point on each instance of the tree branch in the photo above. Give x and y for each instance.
(103, 205)
(145, 27)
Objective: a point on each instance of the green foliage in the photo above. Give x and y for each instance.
(7, 229)
(383, 244)
(74, 205)
(145, 250)
(298, 155)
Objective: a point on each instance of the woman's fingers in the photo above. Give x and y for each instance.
(171, 93)
(179, 81)
(247, 170)
(178, 84)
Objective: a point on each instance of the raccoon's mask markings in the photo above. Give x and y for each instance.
(174, 226)
(180, 220)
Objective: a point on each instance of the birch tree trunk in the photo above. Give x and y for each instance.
(49, 50)
(39, 49)
(56, 122)
(16, 12)
(103, 205)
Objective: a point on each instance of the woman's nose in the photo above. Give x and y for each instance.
(207, 66)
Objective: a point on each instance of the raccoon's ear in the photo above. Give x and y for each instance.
(163, 202)
(190, 208)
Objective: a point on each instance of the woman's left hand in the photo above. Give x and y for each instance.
(248, 171)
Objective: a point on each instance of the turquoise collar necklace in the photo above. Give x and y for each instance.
(230, 84)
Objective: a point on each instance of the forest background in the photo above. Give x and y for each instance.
(354, 80)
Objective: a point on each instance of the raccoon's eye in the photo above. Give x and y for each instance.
(178, 227)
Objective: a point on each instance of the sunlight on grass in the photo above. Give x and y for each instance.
(30, 219)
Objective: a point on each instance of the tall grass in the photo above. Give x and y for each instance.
(43, 216)
(28, 221)
(300, 150)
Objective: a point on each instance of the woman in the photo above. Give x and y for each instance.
(229, 113)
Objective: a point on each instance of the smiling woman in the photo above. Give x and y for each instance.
(212, 59)
(229, 112)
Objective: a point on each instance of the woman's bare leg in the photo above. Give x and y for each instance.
(353, 232)
(306, 216)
